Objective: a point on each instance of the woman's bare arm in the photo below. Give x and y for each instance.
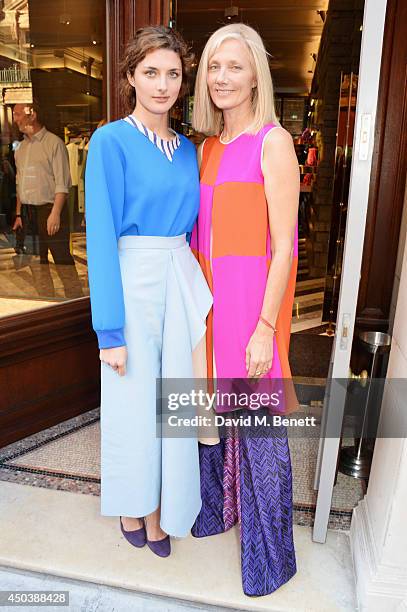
(282, 187)
(281, 183)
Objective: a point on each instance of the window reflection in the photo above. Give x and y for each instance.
(52, 99)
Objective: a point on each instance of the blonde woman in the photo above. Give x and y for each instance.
(246, 242)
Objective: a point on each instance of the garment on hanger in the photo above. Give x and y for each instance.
(77, 152)
(83, 154)
(72, 148)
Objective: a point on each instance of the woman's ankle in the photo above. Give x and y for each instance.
(131, 523)
(153, 528)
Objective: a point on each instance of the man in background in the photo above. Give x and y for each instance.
(43, 182)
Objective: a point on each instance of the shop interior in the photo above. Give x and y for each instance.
(52, 52)
(56, 53)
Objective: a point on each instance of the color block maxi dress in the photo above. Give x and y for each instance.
(246, 480)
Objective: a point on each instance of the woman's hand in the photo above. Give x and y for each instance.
(259, 352)
(116, 358)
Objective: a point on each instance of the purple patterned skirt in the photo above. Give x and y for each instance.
(247, 480)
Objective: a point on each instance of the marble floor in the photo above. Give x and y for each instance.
(67, 457)
(62, 534)
(26, 284)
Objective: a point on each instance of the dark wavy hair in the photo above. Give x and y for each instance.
(145, 41)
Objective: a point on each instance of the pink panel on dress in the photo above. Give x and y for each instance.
(231, 480)
(194, 238)
(241, 160)
(238, 299)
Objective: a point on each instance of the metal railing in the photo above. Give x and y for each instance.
(15, 74)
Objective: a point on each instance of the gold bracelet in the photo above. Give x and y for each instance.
(263, 320)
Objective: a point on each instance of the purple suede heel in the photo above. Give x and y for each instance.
(137, 538)
(161, 548)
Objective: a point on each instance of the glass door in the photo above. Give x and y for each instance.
(335, 395)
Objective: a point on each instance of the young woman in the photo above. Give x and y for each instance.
(246, 242)
(148, 294)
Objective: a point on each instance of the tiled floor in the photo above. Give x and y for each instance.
(67, 457)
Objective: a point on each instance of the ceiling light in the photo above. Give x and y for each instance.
(65, 19)
(231, 11)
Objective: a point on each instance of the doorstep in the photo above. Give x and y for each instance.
(62, 534)
(90, 597)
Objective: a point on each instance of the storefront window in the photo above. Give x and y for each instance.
(52, 99)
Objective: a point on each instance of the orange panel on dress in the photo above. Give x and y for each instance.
(211, 158)
(239, 220)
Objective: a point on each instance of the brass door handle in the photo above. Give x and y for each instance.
(362, 377)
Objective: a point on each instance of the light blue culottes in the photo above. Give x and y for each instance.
(166, 301)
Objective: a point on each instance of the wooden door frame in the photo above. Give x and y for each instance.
(124, 18)
(388, 177)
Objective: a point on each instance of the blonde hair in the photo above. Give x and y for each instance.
(206, 117)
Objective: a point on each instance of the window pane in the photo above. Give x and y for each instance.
(53, 98)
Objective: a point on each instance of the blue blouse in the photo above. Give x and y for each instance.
(131, 189)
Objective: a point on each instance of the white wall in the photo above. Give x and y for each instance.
(379, 523)
(400, 253)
